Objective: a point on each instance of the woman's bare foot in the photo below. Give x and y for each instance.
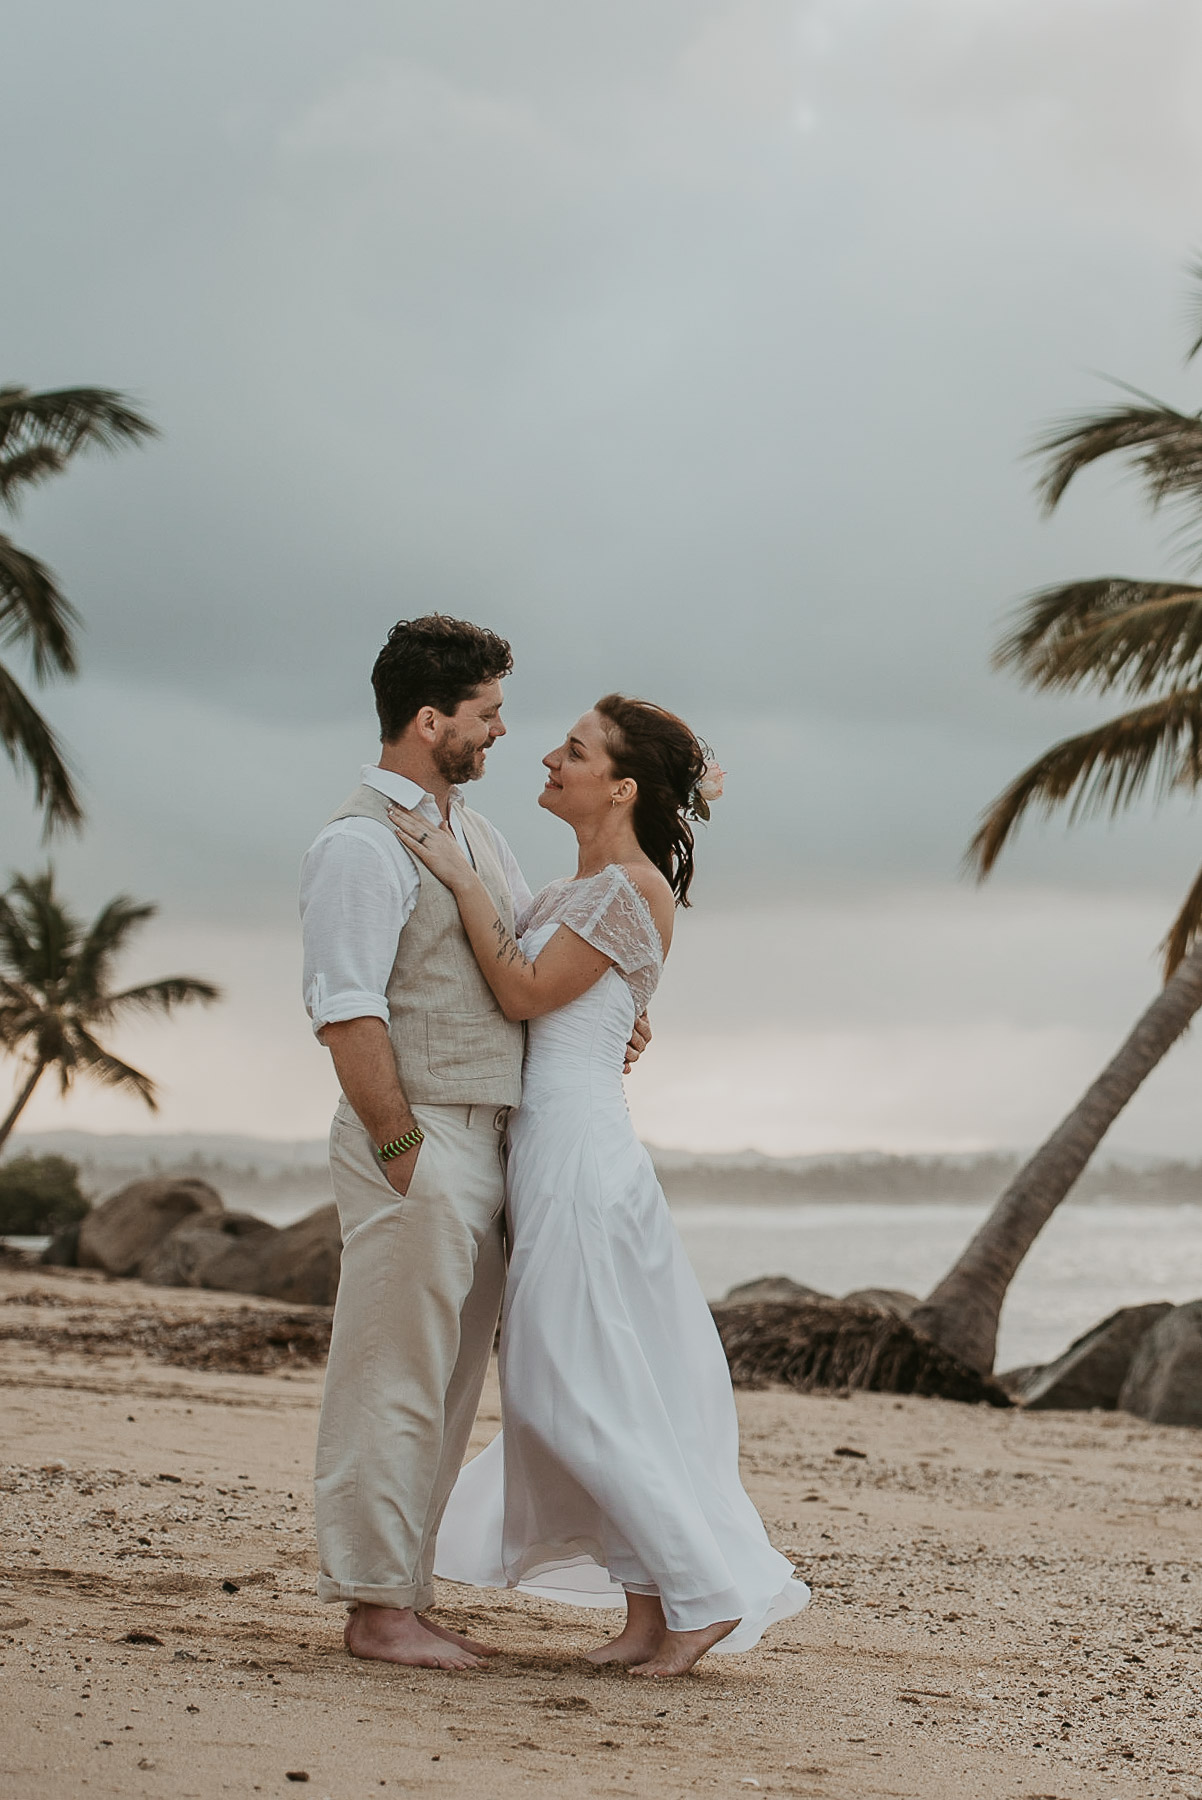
(682, 1650)
(640, 1637)
(396, 1634)
(628, 1647)
(457, 1637)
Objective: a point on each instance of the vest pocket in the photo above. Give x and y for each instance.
(465, 1044)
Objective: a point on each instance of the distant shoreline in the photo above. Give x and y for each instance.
(263, 1173)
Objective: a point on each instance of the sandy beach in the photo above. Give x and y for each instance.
(1005, 1604)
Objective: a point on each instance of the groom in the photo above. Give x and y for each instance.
(429, 1069)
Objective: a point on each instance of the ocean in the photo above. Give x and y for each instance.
(1087, 1261)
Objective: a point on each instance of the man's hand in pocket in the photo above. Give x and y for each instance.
(398, 1170)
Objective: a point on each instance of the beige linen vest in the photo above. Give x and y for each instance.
(453, 1045)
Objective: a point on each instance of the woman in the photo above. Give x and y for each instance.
(617, 1468)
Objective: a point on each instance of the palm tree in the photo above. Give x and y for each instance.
(39, 434)
(56, 990)
(1141, 640)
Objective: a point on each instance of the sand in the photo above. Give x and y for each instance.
(1005, 1604)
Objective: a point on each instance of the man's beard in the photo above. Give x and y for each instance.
(457, 762)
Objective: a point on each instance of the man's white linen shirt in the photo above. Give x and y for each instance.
(359, 887)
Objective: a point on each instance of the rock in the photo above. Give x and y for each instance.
(831, 1344)
(299, 1264)
(1015, 1380)
(778, 1288)
(1164, 1382)
(1093, 1369)
(62, 1252)
(119, 1233)
(183, 1257)
(886, 1300)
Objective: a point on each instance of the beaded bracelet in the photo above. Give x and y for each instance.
(398, 1146)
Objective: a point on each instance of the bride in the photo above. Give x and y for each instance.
(617, 1466)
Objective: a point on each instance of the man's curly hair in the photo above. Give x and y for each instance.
(433, 661)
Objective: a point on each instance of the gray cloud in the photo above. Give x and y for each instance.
(601, 346)
(693, 346)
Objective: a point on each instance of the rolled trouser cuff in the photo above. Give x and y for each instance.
(418, 1598)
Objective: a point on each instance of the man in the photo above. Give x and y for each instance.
(429, 1070)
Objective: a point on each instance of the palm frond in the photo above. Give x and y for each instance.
(34, 612)
(63, 422)
(1102, 770)
(39, 933)
(93, 1059)
(107, 935)
(1195, 269)
(13, 941)
(14, 994)
(25, 468)
(163, 996)
(30, 742)
(1165, 445)
(1184, 929)
(1107, 633)
(19, 1014)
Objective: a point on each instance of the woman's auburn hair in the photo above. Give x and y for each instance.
(656, 750)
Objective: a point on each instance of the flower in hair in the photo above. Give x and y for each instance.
(708, 789)
(710, 786)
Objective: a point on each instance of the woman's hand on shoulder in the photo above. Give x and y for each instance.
(434, 845)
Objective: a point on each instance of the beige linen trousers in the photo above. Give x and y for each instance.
(414, 1323)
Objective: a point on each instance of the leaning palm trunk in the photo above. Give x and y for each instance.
(18, 1105)
(962, 1312)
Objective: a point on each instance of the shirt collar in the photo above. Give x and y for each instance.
(405, 792)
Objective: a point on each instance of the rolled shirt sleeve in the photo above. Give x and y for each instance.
(356, 894)
(358, 889)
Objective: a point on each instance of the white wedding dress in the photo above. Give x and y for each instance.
(618, 1464)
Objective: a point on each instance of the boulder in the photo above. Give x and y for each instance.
(62, 1252)
(1093, 1369)
(299, 1264)
(777, 1288)
(886, 1300)
(1164, 1382)
(1013, 1381)
(118, 1234)
(183, 1257)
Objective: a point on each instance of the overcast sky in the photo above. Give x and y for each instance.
(695, 347)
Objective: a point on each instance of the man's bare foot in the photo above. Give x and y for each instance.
(457, 1637)
(682, 1650)
(641, 1636)
(396, 1634)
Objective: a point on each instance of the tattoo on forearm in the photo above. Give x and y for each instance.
(507, 950)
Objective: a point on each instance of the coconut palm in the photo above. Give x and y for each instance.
(39, 434)
(56, 990)
(1140, 640)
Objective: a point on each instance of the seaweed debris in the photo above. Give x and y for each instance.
(245, 1340)
(831, 1345)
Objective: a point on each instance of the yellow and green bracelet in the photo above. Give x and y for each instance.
(398, 1146)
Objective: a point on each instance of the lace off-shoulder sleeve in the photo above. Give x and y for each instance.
(608, 912)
